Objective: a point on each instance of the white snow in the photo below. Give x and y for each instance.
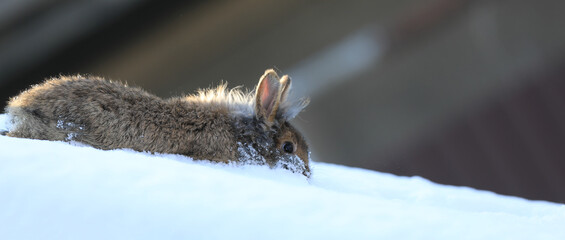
(57, 190)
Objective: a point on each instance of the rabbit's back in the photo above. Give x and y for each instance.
(110, 115)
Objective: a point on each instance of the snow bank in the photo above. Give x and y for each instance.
(56, 190)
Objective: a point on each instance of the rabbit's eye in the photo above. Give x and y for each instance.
(288, 147)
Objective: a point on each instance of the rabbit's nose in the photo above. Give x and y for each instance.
(294, 164)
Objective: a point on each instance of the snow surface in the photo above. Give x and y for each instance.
(57, 190)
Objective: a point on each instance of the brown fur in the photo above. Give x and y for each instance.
(216, 124)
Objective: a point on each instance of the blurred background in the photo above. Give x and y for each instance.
(461, 92)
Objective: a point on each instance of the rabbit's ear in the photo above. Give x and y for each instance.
(268, 96)
(285, 87)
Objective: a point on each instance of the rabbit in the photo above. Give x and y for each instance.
(217, 124)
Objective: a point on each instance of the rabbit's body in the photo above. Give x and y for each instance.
(216, 124)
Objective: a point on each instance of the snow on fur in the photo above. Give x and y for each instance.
(56, 190)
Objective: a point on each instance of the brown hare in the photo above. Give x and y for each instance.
(215, 124)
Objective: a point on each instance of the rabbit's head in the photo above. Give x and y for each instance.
(268, 136)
